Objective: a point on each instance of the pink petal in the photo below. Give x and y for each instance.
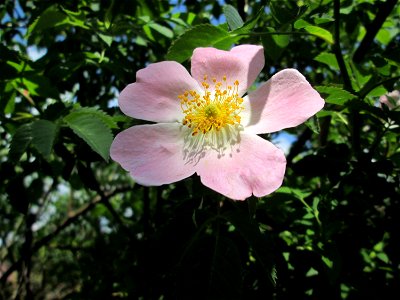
(285, 100)
(153, 154)
(255, 167)
(391, 99)
(242, 63)
(154, 95)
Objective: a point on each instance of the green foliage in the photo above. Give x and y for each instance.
(73, 224)
(90, 126)
(203, 35)
(43, 135)
(233, 18)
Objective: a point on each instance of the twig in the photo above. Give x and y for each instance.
(364, 93)
(68, 221)
(384, 8)
(338, 49)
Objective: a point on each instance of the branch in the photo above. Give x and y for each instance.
(366, 90)
(68, 221)
(298, 145)
(384, 9)
(45, 240)
(338, 50)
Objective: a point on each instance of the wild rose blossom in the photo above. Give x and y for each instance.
(391, 100)
(207, 125)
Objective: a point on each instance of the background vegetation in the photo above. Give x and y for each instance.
(73, 225)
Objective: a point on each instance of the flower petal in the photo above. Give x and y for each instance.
(242, 63)
(154, 95)
(391, 100)
(153, 154)
(285, 100)
(255, 167)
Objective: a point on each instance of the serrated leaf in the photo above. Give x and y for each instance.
(328, 59)
(232, 17)
(43, 135)
(198, 36)
(108, 120)
(92, 130)
(336, 95)
(20, 141)
(313, 124)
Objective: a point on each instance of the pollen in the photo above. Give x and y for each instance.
(217, 108)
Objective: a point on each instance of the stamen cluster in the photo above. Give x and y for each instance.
(217, 108)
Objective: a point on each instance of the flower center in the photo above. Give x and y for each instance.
(214, 110)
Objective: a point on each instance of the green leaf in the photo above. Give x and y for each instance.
(106, 39)
(248, 25)
(37, 85)
(299, 24)
(328, 262)
(43, 135)
(274, 45)
(50, 18)
(285, 12)
(313, 124)
(92, 129)
(328, 59)
(163, 30)
(97, 113)
(198, 36)
(232, 17)
(314, 30)
(77, 19)
(20, 141)
(336, 95)
(383, 257)
(147, 31)
(320, 32)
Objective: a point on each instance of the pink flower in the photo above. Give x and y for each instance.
(206, 125)
(391, 100)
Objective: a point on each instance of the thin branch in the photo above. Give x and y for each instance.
(354, 114)
(298, 145)
(338, 49)
(369, 89)
(68, 221)
(276, 33)
(384, 9)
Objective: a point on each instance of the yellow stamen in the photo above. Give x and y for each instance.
(215, 109)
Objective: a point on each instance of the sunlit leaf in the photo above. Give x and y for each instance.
(50, 18)
(336, 95)
(329, 59)
(232, 17)
(97, 113)
(199, 36)
(314, 30)
(163, 30)
(92, 130)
